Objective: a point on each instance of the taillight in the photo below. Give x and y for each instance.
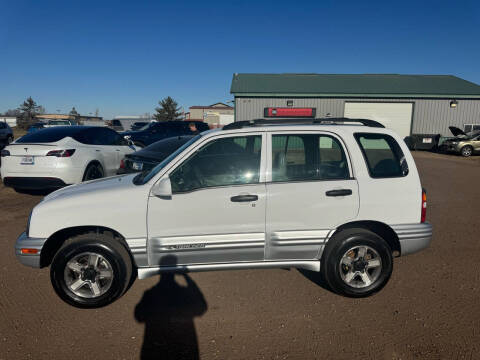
(4, 153)
(122, 164)
(424, 206)
(61, 153)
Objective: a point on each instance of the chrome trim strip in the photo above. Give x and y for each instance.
(138, 248)
(299, 237)
(137, 245)
(210, 241)
(313, 265)
(413, 237)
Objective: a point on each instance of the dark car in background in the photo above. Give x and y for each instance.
(138, 125)
(35, 127)
(6, 134)
(150, 156)
(156, 131)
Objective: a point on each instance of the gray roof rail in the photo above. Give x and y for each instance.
(302, 121)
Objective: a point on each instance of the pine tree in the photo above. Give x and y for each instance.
(168, 110)
(28, 110)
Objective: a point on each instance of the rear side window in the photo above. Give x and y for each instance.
(308, 157)
(383, 155)
(3, 125)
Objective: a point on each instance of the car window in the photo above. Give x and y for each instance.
(3, 125)
(221, 162)
(51, 134)
(305, 157)
(383, 155)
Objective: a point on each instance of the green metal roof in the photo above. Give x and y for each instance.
(368, 85)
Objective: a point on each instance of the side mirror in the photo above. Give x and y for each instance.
(163, 188)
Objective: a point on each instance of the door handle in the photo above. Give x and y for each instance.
(340, 192)
(244, 198)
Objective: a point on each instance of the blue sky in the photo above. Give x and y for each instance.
(122, 57)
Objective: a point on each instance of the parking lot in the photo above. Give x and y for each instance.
(429, 309)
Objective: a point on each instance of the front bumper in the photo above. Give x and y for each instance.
(413, 237)
(449, 148)
(23, 241)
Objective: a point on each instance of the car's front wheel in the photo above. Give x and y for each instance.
(357, 262)
(91, 270)
(466, 151)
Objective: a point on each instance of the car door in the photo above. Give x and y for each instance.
(217, 211)
(310, 191)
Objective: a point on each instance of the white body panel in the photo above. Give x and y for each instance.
(395, 116)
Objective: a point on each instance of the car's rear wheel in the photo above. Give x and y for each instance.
(357, 262)
(9, 140)
(93, 171)
(466, 151)
(91, 270)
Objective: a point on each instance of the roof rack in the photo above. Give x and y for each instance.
(301, 121)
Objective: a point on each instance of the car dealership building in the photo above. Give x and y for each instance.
(408, 104)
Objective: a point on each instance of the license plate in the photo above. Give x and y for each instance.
(27, 160)
(427, 140)
(137, 166)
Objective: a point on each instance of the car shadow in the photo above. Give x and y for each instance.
(316, 278)
(168, 310)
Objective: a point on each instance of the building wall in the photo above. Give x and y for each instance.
(429, 116)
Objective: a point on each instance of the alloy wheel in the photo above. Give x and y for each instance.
(88, 275)
(360, 266)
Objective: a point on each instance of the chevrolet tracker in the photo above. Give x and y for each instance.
(340, 197)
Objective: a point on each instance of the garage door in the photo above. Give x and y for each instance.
(395, 116)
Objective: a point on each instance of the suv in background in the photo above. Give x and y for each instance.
(160, 130)
(6, 134)
(138, 125)
(331, 197)
(464, 143)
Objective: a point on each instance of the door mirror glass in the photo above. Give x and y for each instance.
(163, 188)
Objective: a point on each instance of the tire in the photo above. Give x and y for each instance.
(466, 151)
(346, 271)
(93, 171)
(9, 140)
(91, 270)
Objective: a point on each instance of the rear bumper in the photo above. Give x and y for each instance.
(23, 241)
(33, 183)
(413, 237)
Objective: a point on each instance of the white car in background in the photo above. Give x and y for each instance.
(53, 123)
(59, 156)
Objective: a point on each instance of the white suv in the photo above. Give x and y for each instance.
(337, 196)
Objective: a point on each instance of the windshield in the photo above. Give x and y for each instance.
(146, 176)
(145, 127)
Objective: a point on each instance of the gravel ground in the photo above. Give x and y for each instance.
(429, 309)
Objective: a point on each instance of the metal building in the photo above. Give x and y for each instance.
(408, 104)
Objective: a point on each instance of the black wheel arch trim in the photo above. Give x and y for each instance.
(381, 229)
(55, 241)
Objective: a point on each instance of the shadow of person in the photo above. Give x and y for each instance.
(168, 310)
